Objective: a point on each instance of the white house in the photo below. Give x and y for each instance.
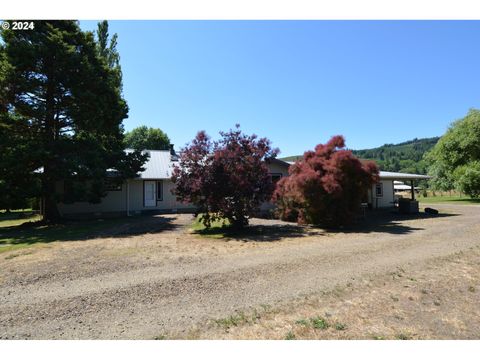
(151, 190)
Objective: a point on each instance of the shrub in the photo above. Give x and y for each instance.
(225, 179)
(326, 187)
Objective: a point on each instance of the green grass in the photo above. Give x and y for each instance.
(319, 323)
(234, 320)
(302, 322)
(17, 237)
(17, 217)
(463, 200)
(219, 229)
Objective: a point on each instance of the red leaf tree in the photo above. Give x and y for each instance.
(326, 187)
(225, 179)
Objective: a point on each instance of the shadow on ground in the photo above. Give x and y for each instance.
(31, 233)
(375, 222)
(261, 233)
(390, 222)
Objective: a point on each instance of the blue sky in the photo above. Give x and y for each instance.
(299, 82)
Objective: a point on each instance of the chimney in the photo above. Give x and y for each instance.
(173, 155)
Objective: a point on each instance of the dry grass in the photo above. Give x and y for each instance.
(439, 302)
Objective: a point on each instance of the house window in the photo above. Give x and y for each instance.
(159, 190)
(275, 177)
(112, 185)
(379, 190)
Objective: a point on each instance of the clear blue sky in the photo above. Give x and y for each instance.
(299, 82)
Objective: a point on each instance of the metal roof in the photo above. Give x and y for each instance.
(404, 187)
(159, 165)
(401, 176)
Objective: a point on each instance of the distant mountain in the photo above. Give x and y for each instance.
(403, 157)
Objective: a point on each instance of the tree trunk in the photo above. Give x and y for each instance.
(51, 214)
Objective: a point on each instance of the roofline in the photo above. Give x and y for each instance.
(282, 162)
(402, 176)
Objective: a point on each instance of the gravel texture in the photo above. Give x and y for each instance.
(158, 278)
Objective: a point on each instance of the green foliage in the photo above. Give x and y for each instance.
(61, 112)
(319, 323)
(467, 179)
(144, 138)
(403, 157)
(455, 160)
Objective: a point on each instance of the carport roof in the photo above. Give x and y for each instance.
(388, 175)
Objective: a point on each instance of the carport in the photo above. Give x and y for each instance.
(405, 177)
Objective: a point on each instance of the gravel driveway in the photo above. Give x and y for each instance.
(133, 285)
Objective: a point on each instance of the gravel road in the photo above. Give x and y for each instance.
(141, 286)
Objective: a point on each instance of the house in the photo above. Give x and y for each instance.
(152, 190)
(382, 194)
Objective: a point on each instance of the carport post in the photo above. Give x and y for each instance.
(412, 189)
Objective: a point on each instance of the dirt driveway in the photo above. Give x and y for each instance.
(168, 282)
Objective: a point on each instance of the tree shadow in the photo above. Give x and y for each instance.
(78, 230)
(261, 233)
(388, 221)
(377, 221)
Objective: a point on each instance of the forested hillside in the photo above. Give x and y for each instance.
(404, 157)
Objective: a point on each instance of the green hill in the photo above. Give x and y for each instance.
(403, 157)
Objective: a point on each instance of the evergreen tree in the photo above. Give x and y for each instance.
(63, 98)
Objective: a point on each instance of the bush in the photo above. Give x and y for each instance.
(326, 187)
(225, 179)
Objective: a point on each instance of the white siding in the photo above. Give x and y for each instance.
(386, 200)
(168, 202)
(115, 201)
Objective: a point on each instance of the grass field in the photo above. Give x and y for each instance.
(462, 200)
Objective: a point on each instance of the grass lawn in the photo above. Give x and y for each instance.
(13, 236)
(464, 200)
(255, 231)
(218, 230)
(17, 217)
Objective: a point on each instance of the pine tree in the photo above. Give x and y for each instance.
(65, 99)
